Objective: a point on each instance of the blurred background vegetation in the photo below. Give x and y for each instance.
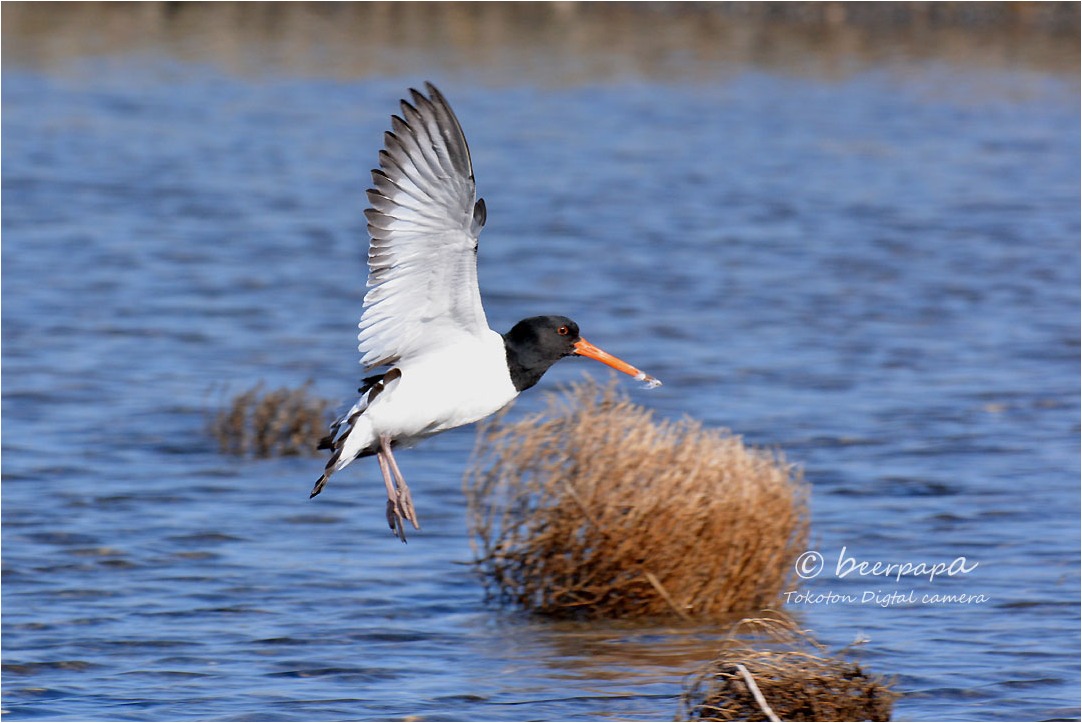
(577, 40)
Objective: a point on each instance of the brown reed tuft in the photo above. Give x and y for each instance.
(795, 679)
(278, 423)
(593, 508)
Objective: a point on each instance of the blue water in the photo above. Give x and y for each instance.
(876, 273)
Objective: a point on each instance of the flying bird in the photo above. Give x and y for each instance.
(437, 365)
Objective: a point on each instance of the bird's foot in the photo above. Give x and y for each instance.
(399, 509)
(405, 506)
(394, 519)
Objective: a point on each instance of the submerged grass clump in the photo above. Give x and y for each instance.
(793, 678)
(594, 508)
(276, 423)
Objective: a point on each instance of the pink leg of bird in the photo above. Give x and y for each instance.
(399, 501)
(394, 517)
(404, 506)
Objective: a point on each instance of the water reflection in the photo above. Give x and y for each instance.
(621, 650)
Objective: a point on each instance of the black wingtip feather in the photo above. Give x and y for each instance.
(408, 107)
(433, 90)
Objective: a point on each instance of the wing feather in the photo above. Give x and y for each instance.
(423, 219)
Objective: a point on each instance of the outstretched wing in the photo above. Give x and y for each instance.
(424, 223)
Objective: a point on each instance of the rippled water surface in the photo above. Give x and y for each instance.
(876, 272)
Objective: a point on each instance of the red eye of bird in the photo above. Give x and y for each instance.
(563, 331)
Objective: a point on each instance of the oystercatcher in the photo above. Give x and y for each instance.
(423, 322)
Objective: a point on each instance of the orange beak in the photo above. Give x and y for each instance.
(585, 348)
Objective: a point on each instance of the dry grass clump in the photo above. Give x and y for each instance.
(281, 422)
(594, 508)
(795, 679)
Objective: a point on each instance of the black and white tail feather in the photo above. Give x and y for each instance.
(340, 430)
